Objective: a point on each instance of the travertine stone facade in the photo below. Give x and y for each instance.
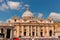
(29, 26)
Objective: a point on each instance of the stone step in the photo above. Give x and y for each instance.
(40, 39)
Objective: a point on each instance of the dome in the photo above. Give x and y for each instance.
(27, 13)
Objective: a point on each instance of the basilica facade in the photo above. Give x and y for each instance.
(28, 26)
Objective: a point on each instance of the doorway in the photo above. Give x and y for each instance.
(8, 33)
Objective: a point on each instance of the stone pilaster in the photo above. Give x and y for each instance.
(38, 31)
(5, 32)
(28, 31)
(31, 30)
(52, 31)
(43, 31)
(47, 31)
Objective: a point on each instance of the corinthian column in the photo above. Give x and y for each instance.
(22, 31)
(27, 31)
(35, 30)
(17, 31)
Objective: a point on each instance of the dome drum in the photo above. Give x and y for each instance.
(27, 14)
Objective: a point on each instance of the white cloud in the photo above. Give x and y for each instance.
(40, 15)
(23, 7)
(14, 5)
(1, 21)
(26, 5)
(55, 16)
(10, 4)
(1, 0)
(3, 7)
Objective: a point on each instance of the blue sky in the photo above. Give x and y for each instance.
(9, 8)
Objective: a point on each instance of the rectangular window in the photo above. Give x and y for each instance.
(33, 33)
(41, 33)
(24, 33)
(50, 33)
(2, 30)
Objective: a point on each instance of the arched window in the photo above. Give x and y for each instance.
(50, 33)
